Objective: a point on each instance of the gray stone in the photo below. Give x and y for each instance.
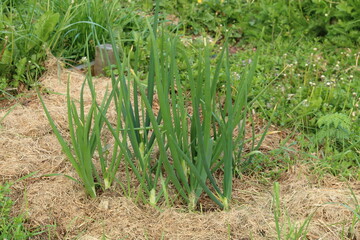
(104, 57)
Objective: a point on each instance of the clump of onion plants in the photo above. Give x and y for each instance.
(193, 130)
(196, 138)
(85, 137)
(186, 142)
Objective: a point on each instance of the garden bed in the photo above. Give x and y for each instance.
(28, 145)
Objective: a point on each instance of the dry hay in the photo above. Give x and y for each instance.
(28, 145)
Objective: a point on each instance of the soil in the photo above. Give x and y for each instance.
(28, 145)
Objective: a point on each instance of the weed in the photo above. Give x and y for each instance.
(14, 227)
(291, 230)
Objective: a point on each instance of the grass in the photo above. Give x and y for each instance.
(10, 227)
(286, 229)
(14, 226)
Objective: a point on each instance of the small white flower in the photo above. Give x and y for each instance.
(83, 60)
(305, 103)
(322, 76)
(351, 76)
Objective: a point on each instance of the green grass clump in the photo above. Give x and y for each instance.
(31, 30)
(13, 226)
(10, 227)
(285, 228)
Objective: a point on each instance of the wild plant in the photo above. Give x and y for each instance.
(333, 129)
(291, 230)
(350, 232)
(23, 38)
(14, 226)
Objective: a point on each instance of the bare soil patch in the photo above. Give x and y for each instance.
(27, 144)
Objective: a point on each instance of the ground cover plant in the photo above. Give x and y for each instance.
(30, 30)
(13, 227)
(197, 88)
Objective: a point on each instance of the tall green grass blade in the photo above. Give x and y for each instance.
(277, 209)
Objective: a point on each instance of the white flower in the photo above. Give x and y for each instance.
(83, 60)
(289, 96)
(305, 103)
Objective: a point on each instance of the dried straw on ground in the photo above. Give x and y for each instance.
(28, 145)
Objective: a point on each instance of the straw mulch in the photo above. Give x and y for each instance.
(28, 145)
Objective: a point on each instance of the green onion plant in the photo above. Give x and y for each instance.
(85, 136)
(191, 129)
